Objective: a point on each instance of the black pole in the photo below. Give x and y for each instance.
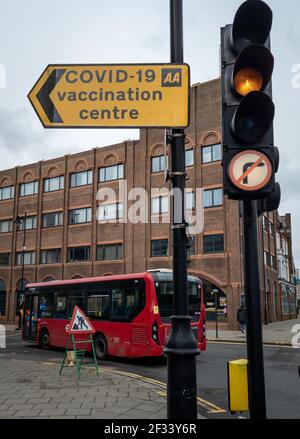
(23, 248)
(181, 347)
(257, 397)
(216, 307)
(22, 272)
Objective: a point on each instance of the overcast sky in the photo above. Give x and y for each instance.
(34, 33)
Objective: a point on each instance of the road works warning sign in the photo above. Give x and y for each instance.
(250, 170)
(113, 96)
(79, 324)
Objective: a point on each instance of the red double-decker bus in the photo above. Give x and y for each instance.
(131, 313)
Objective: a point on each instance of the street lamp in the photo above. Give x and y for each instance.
(19, 221)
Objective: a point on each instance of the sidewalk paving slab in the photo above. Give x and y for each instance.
(65, 397)
(278, 333)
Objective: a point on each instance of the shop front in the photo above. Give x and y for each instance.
(288, 300)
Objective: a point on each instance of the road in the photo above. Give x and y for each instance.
(281, 372)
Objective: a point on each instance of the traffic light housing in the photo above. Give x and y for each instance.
(247, 107)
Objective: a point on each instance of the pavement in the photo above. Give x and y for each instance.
(279, 333)
(31, 387)
(34, 389)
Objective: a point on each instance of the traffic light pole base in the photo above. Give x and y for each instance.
(181, 350)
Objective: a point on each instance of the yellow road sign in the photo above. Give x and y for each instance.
(113, 96)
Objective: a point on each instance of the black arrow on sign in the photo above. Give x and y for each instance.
(43, 96)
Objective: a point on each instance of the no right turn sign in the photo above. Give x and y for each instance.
(250, 170)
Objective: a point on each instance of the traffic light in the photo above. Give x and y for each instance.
(270, 203)
(250, 158)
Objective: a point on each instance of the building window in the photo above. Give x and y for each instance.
(274, 262)
(81, 178)
(80, 216)
(159, 205)
(109, 173)
(79, 254)
(190, 200)
(159, 247)
(191, 246)
(7, 193)
(4, 259)
(110, 211)
(212, 153)
(54, 184)
(213, 244)
(268, 260)
(53, 219)
(28, 222)
(159, 164)
(213, 198)
(52, 256)
(106, 252)
(2, 298)
(29, 188)
(189, 157)
(6, 226)
(29, 258)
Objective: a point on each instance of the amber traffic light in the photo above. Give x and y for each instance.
(247, 80)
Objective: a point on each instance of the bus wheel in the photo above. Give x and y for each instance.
(44, 339)
(100, 344)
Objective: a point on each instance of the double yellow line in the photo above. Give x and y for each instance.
(208, 406)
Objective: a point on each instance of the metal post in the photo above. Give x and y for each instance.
(23, 248)
(22, 272)
(216, 307)
(257, 397)
(181, 347)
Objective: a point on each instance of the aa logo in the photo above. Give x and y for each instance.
(171, 78)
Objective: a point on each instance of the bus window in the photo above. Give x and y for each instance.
(165, 297)
(75, 299)
(127, 302)
(98, 306)
(60, 310)
(46, 306)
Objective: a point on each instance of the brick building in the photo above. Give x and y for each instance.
(287, 275)
(64, 239)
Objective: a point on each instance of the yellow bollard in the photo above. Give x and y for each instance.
(237, 372)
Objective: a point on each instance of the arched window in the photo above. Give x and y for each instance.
(2, 297)
(211, 149)
(77, 276)
(48, 279)
(20, 293)
(159, 161)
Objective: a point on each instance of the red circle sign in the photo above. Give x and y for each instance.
(250, 170)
